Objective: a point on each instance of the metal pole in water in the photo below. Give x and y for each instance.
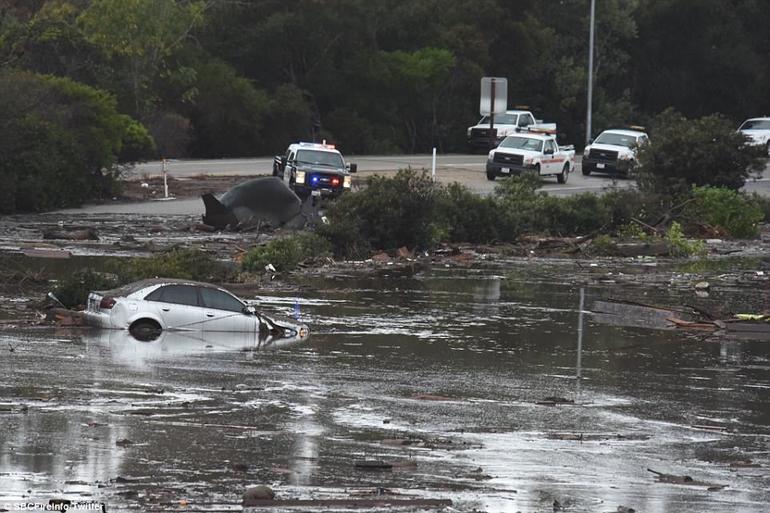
(165, 180)
(433, 168)
(579, 364)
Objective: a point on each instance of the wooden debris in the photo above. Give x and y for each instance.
(554, 401)
(373, 465)
(46, 253)
(431, 397)
(312, 504)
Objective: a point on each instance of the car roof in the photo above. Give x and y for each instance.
(533, 135)
(314, 146)
(624, 131)
(136, 286)
(763, 118)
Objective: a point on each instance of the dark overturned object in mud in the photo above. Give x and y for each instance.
(253, 203)
(632, 314)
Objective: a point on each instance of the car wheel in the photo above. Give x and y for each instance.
(562, 177)
(586, 171)
(145, 330)
(491, 176)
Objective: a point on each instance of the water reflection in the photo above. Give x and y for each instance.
(126, 349)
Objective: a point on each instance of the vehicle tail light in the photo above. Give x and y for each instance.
(107, 303)
(335, 182)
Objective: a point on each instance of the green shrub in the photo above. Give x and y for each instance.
(728, 210)
(286, 253)
(762, 203)
(468, 217)
(603, 245)
(73, 291)
(391, 212)
(680, 246)
(703, 151)
(181, 263)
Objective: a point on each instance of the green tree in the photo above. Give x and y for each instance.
(143, 34)
(60, 142)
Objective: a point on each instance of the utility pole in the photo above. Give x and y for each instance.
(590, 71)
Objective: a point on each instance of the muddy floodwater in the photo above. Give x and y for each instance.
(446, 376)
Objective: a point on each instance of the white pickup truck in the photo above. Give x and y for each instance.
(757, 130)
(509, 123)
(535, 152)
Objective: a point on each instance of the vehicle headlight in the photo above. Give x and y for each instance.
(528, 160)
(347, 182)
(300, 178)
(586, 150)
(625, 156)
(469, 132)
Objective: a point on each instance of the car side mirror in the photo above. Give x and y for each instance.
(591, 140)
(249, 310)
(353, 167)
(283, 160)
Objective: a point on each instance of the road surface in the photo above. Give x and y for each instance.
(465, 169)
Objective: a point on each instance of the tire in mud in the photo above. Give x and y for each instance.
(145, 330)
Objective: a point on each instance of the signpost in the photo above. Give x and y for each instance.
(494, 100)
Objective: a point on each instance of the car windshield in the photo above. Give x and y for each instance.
(522, 143)
(500, 119)
(320, 158)
(617, 139)
(756, 124)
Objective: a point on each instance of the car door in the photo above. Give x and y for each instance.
(225, 313)
(549, 159)
(287, 168)
(178, 306)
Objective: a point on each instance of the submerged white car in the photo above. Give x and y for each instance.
(148, 307)
(757, 130)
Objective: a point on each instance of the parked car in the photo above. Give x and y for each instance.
(536, 152)
(614, 151)
(314, 169)
(148, 307)
(757, 130)
(509, 123)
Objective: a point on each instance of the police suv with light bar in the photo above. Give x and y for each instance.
(316, 169)
(614, 151)
(533, 151)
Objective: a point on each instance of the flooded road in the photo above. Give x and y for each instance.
(444, 374)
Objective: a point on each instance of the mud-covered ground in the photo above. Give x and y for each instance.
(455, 370)
(444, 373)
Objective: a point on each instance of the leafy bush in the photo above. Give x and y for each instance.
(680, 246)
(392, 212)
(182, 263)
(762, 203)
(286, 253)
(73, 291)
(685, 152)
(468, 217)
(731, 211)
